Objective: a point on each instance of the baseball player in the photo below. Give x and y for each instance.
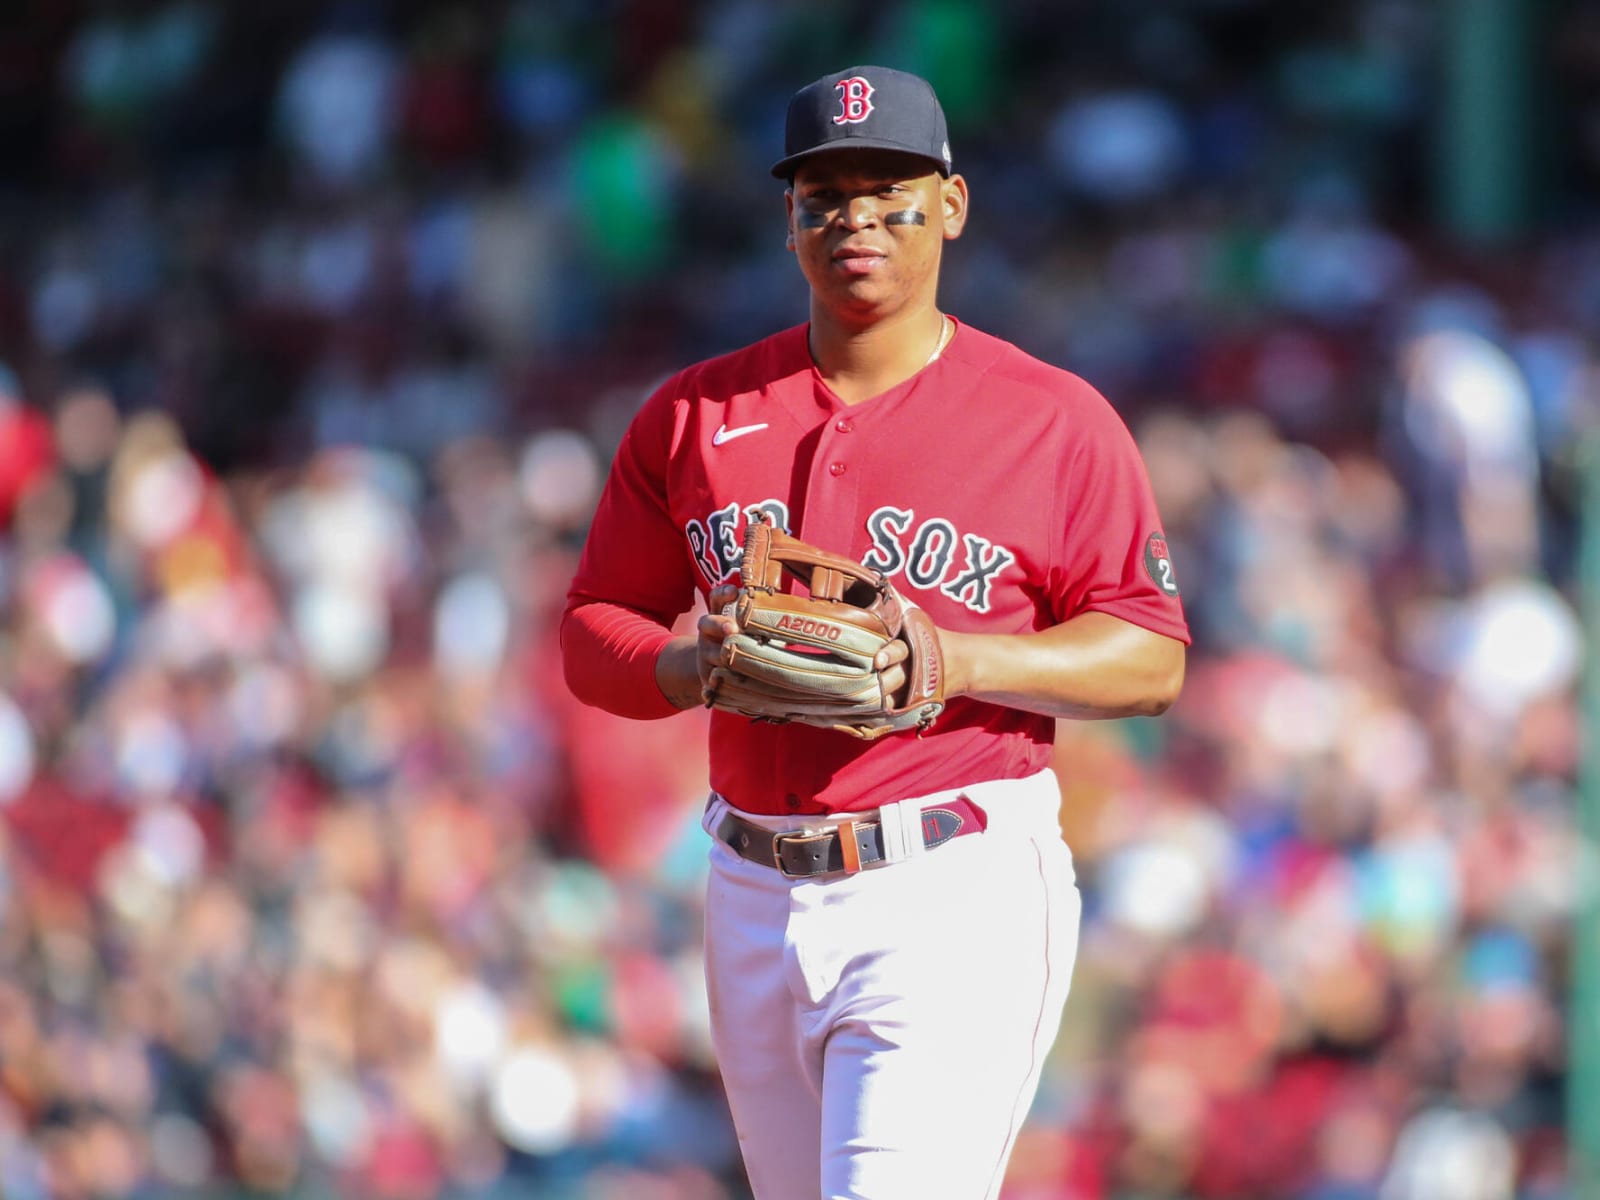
(891, 921)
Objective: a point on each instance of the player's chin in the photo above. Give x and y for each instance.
(857, 291)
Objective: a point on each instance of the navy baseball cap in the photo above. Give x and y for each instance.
(877, 108)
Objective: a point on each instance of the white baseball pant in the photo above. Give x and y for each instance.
(880, 1035)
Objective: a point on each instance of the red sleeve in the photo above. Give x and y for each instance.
(634, 577)
(1114, 556)
(609, 655)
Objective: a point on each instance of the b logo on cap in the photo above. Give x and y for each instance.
(855, 100)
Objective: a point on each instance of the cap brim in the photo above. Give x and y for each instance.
(784, 168)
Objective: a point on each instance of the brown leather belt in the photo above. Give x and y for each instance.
(847, 845)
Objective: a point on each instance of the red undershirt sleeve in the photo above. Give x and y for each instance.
(609, 655)
(634, 578)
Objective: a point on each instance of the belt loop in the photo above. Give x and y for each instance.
(902, 830)
(716, 806)
(849, 848)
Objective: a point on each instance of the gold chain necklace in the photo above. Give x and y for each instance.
(946, 328)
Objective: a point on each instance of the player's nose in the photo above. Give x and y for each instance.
(858, 212)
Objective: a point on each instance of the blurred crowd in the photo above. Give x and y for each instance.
(318, 324)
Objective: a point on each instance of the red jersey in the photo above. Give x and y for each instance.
(1002, 494)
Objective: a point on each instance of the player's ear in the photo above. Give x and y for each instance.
(788, 218)
(953, 206)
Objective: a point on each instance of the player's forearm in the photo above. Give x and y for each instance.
(1091, 667)
(677, 672)
(685, 663)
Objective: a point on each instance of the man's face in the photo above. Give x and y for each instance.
(868, 227)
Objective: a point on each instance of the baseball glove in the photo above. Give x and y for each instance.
(809, 658)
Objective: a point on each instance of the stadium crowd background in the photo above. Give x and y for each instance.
(319, 323)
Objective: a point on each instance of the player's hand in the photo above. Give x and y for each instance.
(713, 628)
(684, 665)
(887, 663)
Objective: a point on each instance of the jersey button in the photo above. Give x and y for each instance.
(836, 469)
(843, 425)
(792, 801)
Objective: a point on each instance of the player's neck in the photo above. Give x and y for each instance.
(862, 361)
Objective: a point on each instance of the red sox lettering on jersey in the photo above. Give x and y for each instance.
(717, 542)
(930, 561)
(927, 558)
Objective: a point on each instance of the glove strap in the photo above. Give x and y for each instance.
(768, 552)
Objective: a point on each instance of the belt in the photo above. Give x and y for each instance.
(847, 845)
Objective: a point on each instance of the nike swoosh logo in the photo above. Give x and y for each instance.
(724, 434)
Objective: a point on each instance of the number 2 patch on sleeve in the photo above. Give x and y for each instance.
(1158, 562)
